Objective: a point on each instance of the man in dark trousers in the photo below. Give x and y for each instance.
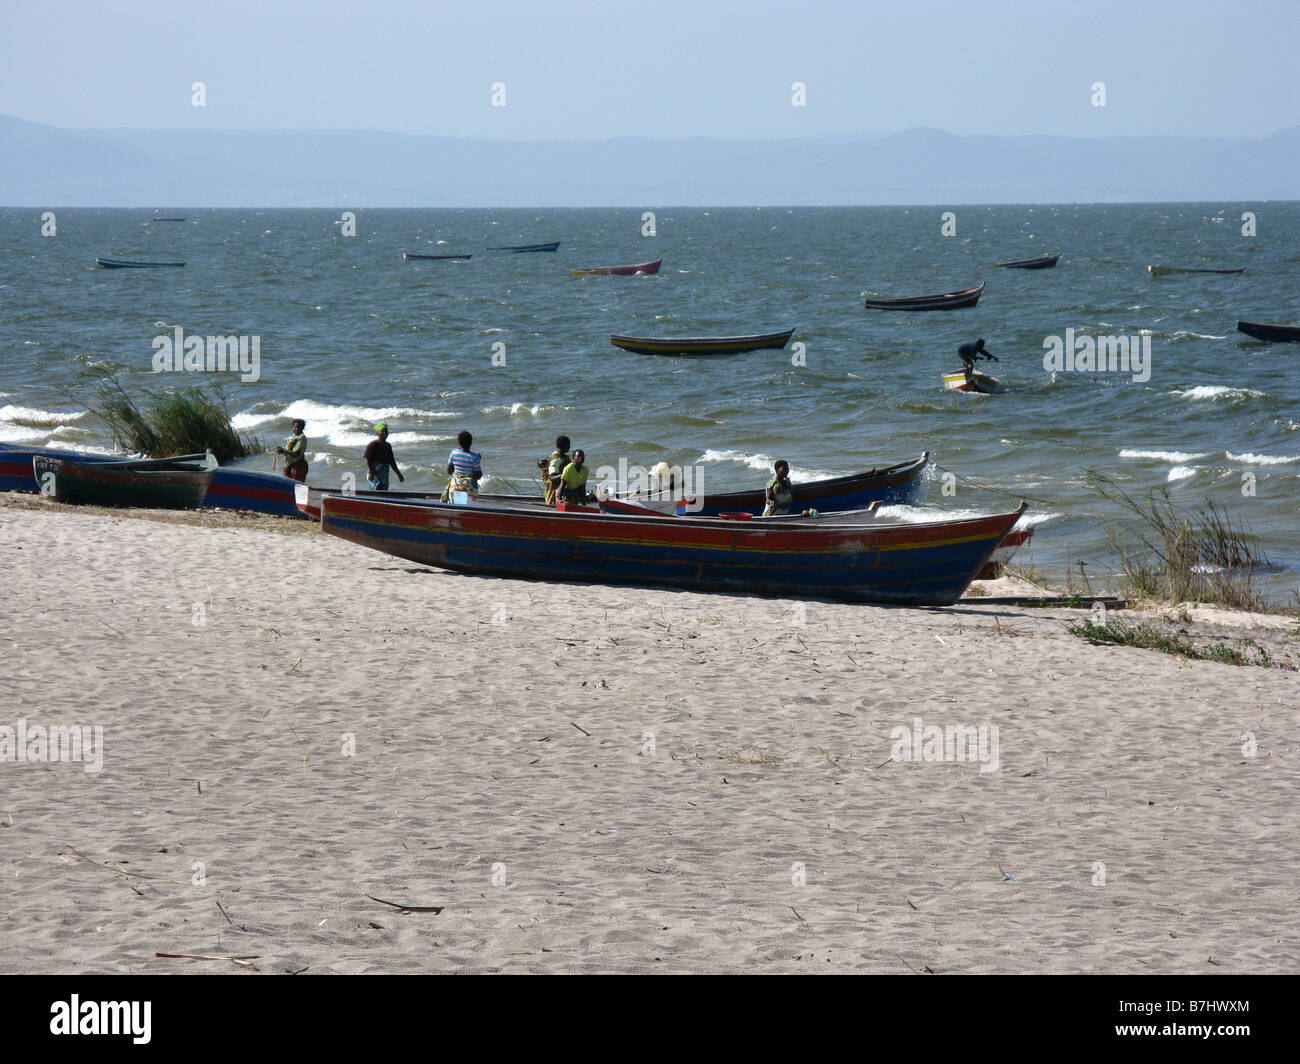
(969, 353)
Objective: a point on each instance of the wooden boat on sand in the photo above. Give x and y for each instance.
(966, 297)
(887, 485)
(913, 564)
(127, 264)
(701, 345)
(156, 484)
(620, 271)
(1044, 262)
(1272, 333)
(1011, 542)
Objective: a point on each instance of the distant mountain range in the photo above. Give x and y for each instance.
(45, 166)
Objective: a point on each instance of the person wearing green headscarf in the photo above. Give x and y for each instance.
(379, 459)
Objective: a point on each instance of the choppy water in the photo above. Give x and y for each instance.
(349, 332)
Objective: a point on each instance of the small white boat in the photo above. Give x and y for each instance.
(956, 381)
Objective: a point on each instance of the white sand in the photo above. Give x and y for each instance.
(502, 725)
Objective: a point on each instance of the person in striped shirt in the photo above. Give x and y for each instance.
(464, 467)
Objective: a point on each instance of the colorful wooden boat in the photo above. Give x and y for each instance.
(524, 248)
(1165, 271)
(1011, 542)
(1044, 262)
(1273, 333)
(232, 487)
(701, 345)
(887, 485)
(125, 264)
(620, 271)
(161, 484)
(966, 297)
(412, 255)
(916, 564)
(956, 381)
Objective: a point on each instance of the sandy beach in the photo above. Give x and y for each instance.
(593, 779)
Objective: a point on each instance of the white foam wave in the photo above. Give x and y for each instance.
(32, 415)
(307, 409)
(1162, 456)
(1181, 472)
(764, 462)
(1260, 459)
(1218, 391)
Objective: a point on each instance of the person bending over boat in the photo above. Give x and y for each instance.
(464, 467)
(295, 452)
(553, 467)
(573, 481)
(379, 459)
(780, 492)
(968, 353)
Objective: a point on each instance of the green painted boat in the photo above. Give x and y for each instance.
(154, 484)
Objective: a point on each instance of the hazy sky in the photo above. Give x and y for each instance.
(574, 69)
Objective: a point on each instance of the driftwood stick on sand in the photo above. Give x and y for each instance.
(435, 909)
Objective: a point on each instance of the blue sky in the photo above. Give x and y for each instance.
(576, 70)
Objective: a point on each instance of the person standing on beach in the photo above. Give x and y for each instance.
(464, 467)
(573, 481)
(553, 468)
(379, 459)
(968, 353)
(295, 452)
(780, 492)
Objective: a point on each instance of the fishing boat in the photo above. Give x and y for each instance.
(1274, 333)
(701, 345)
(966, 297)
(412, 255)
(927, 564)
(996, 566)
(892, 484)
(1165, 271)
(308, 498)
(157, 484)
(181, 219)
(889, 485)
(232, 487)
(620, 271)
(956, 381)
(524, 248)
(1044, 262)
(125, 264)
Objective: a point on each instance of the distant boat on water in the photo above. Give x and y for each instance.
(125, 264)
(181, 219)
(1045, 262)
(966, 297)
(619, 271)
(412, 255)
(1272, 333)
(701, 345)
(1165, 271)
(529, 247)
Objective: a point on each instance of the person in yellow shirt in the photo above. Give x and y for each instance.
(573, 481)
(552, 468)
(295, 452)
